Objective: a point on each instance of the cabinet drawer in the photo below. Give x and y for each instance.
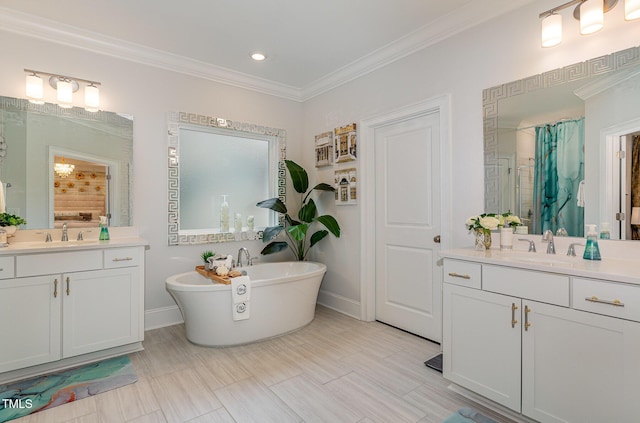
(51, 263)
(538, 286)
(608, 298)
(463, 273)
(7, 267)
(121, 257)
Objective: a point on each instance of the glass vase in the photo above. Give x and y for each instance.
(483, 239)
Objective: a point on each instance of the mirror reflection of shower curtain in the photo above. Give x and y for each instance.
(559, 168)
(635, 182)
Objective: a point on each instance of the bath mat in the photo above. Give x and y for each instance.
(435, 363)
(18, 399)
(467, 415)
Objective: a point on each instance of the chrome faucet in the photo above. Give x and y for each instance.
(548, 237)
(65, 236)
(572, 248)
(532, 244)
(246, 252)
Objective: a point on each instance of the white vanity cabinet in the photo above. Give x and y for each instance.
(30, 316)
(520, 340)
(63, 305)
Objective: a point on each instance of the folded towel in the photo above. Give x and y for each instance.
(240, 296)
(2, 198)
(580, 199)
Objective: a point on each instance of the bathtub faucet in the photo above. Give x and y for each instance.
(246, 252)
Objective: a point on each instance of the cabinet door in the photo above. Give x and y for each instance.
(30, 316)
(100, 310)
(579, 367)
(481, 343)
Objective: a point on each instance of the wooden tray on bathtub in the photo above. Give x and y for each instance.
(220, 279)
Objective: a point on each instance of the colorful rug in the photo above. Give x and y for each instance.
(19, 399)
(467, 415)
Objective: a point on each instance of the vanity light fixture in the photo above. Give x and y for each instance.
(590, 13)
(65, 86)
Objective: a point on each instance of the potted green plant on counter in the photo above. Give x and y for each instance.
(10, 222)
(297, 231)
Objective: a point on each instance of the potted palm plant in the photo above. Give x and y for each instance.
(299, 238)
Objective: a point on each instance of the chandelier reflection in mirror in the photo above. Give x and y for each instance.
(590, 13)
(63, 169)
(65, 86)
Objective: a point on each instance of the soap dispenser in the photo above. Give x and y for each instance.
(591, 250)
(605, 233)
(104, 230)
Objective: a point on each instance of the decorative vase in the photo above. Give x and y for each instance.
(11, 230)
(483, 239)
(506, 238)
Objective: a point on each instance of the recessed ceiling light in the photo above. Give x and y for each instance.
(258, 57)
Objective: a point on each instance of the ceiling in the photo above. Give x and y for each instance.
(312, 46)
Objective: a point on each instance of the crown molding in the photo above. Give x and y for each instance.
(55, 32)
(458, 21)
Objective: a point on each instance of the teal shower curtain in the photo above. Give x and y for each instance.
(559, 168)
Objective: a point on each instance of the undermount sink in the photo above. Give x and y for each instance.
(54, 244)
(542, 259)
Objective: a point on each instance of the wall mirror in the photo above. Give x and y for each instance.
(38, 141)
(559, 146)
(218, 170)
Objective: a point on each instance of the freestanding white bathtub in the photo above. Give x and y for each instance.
(283, 299)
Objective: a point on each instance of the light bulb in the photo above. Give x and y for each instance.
(35, 90)
(591, 16)
(631, 9)
(65, 93)
(91, 98)
(551, 30)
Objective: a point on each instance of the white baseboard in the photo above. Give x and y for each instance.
(339, 303)
(161, 317)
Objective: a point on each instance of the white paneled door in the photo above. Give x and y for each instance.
(408, 283)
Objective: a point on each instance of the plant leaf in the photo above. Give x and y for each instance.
(308, 212)
(324, 187)
(298, 232)
(271, 232)
(274, 247)
(330, 223)
(317, 237)
(290, 221)
(298, 176)
(274, 204)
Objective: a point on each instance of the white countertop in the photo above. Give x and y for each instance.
(612, 269)
(30, 247)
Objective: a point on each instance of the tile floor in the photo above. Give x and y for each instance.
(337, 369)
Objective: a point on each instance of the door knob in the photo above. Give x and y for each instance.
(436, 239)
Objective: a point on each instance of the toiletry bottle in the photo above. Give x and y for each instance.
(591, 250)
(224, 215)
(604, 231)
(104, 230)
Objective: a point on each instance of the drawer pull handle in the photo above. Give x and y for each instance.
(514, 322)
(527, 325)
(123, 259)
(458, 275)
(55, 288)
(68, 287)
(615, 303)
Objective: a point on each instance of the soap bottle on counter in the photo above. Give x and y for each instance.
(591, 250)
(605, 233)
(104, 229)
